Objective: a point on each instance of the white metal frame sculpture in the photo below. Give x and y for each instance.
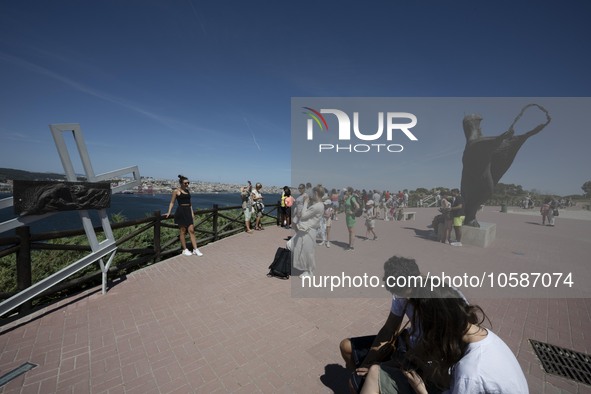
(100, 250)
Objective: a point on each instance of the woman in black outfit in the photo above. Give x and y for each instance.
(183, 215)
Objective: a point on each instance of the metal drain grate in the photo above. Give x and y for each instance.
(563, 362)
(15, 373)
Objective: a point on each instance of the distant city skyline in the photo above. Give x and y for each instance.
(204, 89)
(233, 187)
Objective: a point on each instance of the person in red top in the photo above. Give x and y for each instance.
(286, 202)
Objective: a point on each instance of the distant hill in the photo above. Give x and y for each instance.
(12, 174)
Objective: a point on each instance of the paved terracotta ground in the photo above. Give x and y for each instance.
(217, 324)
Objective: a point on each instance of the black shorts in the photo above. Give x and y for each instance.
(360, 347)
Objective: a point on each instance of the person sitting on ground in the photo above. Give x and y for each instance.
(364, 351)
(454, 351)
(360, 353)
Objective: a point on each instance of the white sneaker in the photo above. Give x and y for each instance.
(186, 252)
(327, 244)
(197, 252)
(305, 274)
(456, 244)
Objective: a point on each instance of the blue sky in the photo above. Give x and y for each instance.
(204, 88)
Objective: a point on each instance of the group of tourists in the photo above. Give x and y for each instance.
(444, 347)
(252, 204)
(371, 205)
(348, 201)
(312, 214)
(549, 210)
(529, 203)
(452, 215)
(184, 216)
(386, 205)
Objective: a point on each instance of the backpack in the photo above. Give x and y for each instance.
(356, 212)
(281, 265)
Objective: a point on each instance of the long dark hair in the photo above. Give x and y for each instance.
(443, 319)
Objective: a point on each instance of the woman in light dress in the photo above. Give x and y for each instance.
(307, 224)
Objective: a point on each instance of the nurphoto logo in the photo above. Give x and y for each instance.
(393, 122)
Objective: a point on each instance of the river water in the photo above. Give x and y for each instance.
(131, 206)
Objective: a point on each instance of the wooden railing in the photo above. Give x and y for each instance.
(210, 225)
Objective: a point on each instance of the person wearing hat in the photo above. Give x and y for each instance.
(370, 219)
(326, 222)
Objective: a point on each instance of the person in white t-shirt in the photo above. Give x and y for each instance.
(453, 351)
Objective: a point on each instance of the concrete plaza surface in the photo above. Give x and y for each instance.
(217, 324)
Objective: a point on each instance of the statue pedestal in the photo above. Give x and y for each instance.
(482, 236)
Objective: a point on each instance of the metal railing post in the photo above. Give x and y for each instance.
(157, 236)
(215, 222)
(24, 278)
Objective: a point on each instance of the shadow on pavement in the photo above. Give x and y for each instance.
(421, 233)
(335, 378)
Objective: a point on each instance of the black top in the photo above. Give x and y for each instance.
(458, 200)
(184, 198)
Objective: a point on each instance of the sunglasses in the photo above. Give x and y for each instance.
(185, 183)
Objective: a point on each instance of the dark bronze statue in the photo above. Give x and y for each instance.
(486, 159)
(40, 197)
